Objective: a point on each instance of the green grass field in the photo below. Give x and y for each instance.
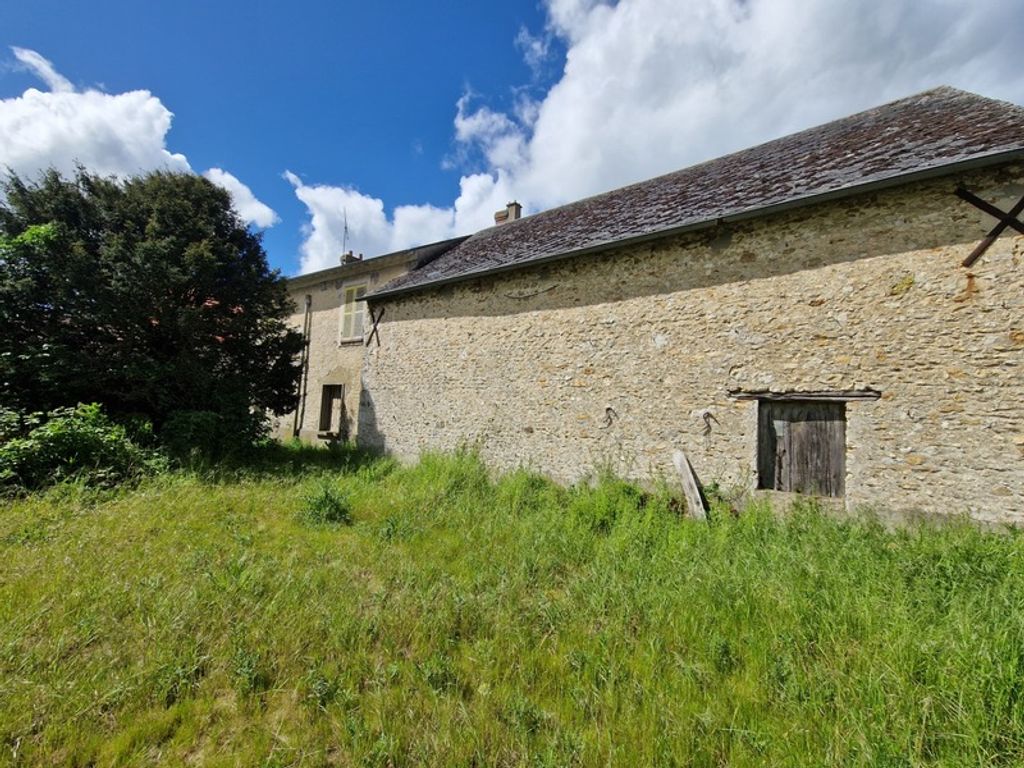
(463, 621)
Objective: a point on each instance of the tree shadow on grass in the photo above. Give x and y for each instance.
(291, 460)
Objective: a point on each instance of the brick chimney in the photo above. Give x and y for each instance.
(350, 258)
(512, 212)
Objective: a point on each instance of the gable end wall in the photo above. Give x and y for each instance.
(331, 360)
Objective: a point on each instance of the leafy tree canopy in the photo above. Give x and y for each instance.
(149, 296)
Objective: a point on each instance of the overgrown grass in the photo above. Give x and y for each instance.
(463, 621)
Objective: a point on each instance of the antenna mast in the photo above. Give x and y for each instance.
(344, 235)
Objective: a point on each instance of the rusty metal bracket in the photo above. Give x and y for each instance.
(1006, 219)
(374, 331)
(708, 417)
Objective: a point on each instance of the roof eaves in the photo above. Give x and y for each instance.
(938, 171)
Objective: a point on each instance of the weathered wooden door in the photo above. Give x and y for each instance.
(802, 446)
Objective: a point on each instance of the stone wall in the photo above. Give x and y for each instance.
(331, 359)
(617, 359)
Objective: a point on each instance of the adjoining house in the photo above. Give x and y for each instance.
(330, 311)
(838, 312)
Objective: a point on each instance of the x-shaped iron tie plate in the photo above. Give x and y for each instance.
(1005, 219)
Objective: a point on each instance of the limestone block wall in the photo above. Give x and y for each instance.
(620, 358)
(331, 359)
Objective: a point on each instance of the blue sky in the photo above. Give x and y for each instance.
(356, 92)
(416, 121)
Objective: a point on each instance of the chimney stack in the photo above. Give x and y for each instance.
(512, 212)
(350, 258)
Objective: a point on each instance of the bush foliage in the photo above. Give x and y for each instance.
(79, 443)
(207, 436)
(149, 296)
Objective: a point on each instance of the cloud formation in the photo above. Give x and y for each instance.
(370, 231)
(248, 207)
(118, 134)
(650, 86)
(43, 69)
(535, 49)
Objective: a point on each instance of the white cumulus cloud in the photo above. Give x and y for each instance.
(650, 86)
(370, 231)
(535, 49)
(248, 207)
(118, 134)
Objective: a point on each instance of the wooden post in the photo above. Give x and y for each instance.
(691, 490)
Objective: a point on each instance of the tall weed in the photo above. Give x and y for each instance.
(467, 619)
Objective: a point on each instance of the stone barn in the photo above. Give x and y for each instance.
(838, 312)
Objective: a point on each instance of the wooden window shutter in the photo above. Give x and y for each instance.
(802, 446)
(353, 311)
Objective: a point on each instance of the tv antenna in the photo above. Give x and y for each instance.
(344, 232)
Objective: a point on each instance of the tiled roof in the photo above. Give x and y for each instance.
(416, 256)
(922, 133)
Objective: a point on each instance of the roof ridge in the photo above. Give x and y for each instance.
(942, 127)
(904, 100)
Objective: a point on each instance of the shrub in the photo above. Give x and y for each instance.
(210, 436)
(122, 258)
(17, 424)
(327, 505)
(71, 443)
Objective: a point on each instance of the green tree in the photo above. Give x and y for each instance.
(148, 295)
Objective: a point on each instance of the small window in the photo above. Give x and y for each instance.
(353, 311)
(801, 446)
(331, 404)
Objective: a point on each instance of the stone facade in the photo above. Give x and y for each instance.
(332, 359)
(617, 359)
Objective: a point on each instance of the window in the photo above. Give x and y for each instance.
(331, 408)
(801, 446)
(353, 311)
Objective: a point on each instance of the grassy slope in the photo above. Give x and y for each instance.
(463, 622)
